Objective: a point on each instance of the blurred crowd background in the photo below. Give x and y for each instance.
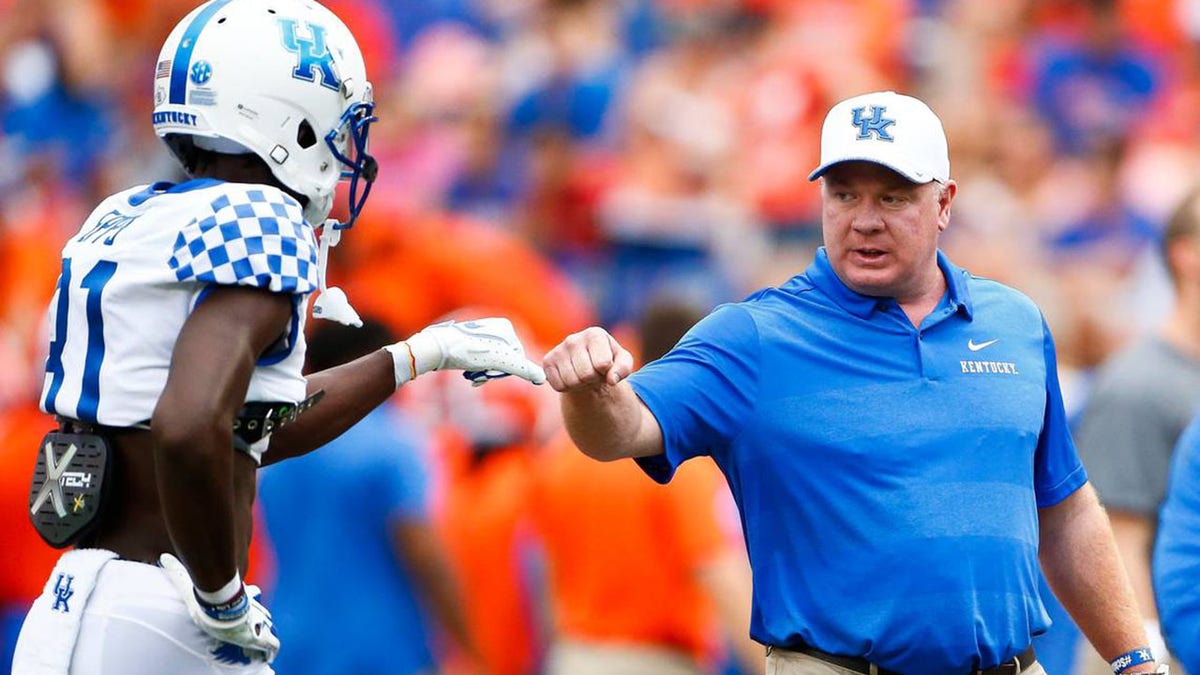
(566, 162)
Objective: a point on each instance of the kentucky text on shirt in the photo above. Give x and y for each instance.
(990, 367)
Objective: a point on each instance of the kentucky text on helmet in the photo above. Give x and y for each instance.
(172, 117)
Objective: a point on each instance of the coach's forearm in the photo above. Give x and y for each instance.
(609, 422)
(1081, 563)
(1134, 535)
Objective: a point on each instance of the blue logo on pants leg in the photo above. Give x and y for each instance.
(62, 593)
(231, 654)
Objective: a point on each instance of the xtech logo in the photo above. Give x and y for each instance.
(311, 52)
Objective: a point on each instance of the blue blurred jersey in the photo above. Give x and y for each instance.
(1176, 562)
(342, 602)
(888, 476)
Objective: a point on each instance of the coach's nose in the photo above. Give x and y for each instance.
(867, 218)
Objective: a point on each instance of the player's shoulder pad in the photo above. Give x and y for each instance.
(248, 235)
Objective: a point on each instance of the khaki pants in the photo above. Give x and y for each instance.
(570, 657)
(784, 662)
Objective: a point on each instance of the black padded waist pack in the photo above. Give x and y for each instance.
(68, 486)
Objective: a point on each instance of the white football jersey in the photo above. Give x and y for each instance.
(141, 263)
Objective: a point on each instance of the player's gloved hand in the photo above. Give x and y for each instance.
(484, 349)
(242, 621)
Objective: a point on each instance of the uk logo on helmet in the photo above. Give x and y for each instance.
(312, 53)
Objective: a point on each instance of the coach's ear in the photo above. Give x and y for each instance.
(945, 197)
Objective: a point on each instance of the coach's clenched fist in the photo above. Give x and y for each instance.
(588, 358)
(605, 421)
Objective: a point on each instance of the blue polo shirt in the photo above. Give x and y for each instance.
(888, 477)
(1177, 553)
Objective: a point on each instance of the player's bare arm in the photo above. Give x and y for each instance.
(350, 391)
(604, 416)
(483, 349)
(206, 488)
(1081, 563)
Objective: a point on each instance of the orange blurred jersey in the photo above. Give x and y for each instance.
(481, 518)
(623, 552)
(29, 265)
(371, 26)
(412, 272)
(27, 560)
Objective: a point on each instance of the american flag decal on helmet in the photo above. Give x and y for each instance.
(163, 69)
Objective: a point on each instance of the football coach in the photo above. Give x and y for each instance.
(891, 427)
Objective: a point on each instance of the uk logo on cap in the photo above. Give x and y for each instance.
(900, 132)
(875, 124)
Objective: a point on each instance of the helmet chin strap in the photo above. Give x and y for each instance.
(332, 304)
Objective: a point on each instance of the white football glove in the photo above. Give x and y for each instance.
(247, 625)
(484, 349)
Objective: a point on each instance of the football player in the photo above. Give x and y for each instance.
(177, 338)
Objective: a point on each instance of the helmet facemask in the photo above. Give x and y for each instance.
(348, 143)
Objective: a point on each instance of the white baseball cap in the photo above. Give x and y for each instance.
(897, 131)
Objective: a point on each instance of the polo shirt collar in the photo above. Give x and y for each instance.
(957, 289)
(822, 276)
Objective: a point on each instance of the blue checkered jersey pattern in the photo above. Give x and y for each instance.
(257, 237)
(155, 251)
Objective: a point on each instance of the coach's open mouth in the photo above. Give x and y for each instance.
(869, 254)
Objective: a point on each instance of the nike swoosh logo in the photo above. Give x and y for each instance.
(973, 346)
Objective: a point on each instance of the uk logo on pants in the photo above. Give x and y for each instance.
(62, 593)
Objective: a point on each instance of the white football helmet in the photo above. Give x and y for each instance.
(283, 79)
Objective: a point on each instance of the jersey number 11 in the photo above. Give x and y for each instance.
(89, 394)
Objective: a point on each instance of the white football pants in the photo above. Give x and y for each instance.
(134, 623)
